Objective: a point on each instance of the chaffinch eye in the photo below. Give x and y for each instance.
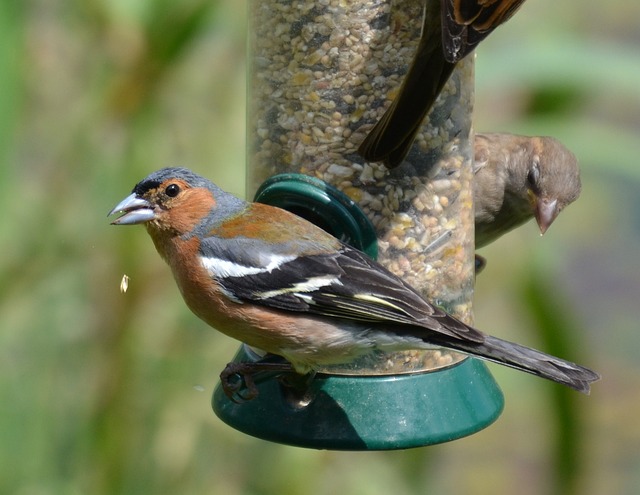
(172, 190)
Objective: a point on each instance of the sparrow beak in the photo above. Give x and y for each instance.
(545, 212)
(135, 209)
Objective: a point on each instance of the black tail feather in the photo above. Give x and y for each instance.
(531, 361)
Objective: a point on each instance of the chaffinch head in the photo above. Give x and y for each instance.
(451, 30)
(518, 178)
(277, 282)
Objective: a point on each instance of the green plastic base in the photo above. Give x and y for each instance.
(370, 412)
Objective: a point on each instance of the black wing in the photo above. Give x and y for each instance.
(344, 284)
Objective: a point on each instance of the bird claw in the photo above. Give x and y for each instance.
(238, 379)
(238, 383)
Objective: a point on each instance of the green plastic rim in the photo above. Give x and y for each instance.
(369, 413)
(323, 205)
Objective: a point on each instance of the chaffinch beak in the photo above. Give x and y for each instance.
(545, 212)
(136, 210)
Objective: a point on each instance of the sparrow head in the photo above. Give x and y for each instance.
(552, 179)
(176, 201)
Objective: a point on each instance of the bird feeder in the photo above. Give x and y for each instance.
(321, 74)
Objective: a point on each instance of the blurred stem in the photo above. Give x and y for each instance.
(168, 33)
(11, 95)
(558, 332)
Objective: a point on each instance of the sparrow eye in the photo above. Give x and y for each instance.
(534, 175)
(172, 190)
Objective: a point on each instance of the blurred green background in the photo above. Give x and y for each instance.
(106, 393)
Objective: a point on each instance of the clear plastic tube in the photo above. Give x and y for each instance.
(321, 74)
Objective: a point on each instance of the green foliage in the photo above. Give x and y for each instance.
(551, 317)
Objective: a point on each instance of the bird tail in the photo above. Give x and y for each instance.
(531, 361)
(392, 137)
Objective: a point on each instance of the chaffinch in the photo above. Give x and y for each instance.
(451, 30)
(518, 178)
(277, 282)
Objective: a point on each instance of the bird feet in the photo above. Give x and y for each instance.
(239, 379)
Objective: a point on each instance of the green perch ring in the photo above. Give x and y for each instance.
(358, 412)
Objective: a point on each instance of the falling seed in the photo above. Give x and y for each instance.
(124, 283)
